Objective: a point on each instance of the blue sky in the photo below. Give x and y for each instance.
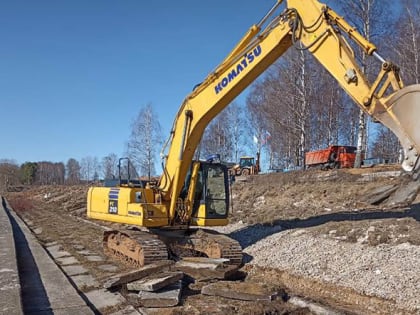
(74, 74)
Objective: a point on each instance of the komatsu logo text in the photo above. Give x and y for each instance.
(248, 59)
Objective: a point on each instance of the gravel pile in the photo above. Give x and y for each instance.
(385, 271)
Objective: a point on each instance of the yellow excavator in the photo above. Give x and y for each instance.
(192, 194)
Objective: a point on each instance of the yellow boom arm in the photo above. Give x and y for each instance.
(307, 24)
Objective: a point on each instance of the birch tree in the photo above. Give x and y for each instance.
(144, 141)
(109, 166)
(225, 134)
(368, 16)
(407, 46)
(72, 171)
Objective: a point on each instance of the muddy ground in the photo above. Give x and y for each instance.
(325, 205)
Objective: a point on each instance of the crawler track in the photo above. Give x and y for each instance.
(134, 248)
(139, 248)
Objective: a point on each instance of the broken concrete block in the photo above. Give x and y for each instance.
(379, 194)
(404, 195)
(155, 282)
(103, 298)
(200, 273)
(203, 262)
(245, 291)
(138, 274)
(165, 297)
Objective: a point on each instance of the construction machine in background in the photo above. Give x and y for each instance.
(335, 156)
(248, 165)
(193, 194)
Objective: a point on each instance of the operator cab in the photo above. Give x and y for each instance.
(211, 192)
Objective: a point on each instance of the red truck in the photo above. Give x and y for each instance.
(335, 156)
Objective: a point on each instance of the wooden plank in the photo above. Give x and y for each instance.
(145, 271)
(155, 282)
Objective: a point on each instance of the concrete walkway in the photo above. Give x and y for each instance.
(30, 281)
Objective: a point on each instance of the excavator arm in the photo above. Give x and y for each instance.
(304, 24)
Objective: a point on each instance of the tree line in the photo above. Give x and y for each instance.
(88, 169)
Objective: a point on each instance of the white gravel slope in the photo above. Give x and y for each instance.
(389, 272)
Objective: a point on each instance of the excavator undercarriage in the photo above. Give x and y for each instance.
(136, 248)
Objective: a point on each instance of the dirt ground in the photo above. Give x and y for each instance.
(327, 200)
(327, 204)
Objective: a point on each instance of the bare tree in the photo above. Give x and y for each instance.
(285, 97)
(224, 135)
(387, 146)
(109, 166)
(407, 46)
(370, 18)
(49, 173)
(87, 168)
(9, 174)
(73, 171)
(145, 138)
(238, 123)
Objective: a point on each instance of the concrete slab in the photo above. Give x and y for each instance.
(202, 262)
(103, 298)
(155, 282)
(85, 252)
(198, 273)
(74, 270)
(404, 195)
(64, 261)
(79, 310)
(94, 258)
(166, 297)
(9, 274)
(82, 281)
(129, 310)
(56, 251)
(110, 268)
(44, 287)
(138, 274)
